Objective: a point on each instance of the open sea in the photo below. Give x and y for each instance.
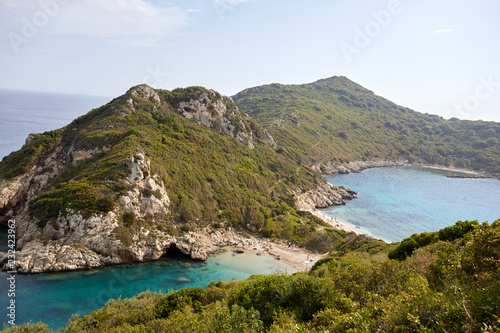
(22, 113)
(392, 204)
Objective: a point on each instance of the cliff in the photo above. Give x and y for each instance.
(149, 172)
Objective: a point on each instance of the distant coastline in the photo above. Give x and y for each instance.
(331, 168)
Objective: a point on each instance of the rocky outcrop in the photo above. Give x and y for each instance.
(90, 243)
(355, 166)
(219, 113)
(82, 155)
(139, 168)
(323, 196)
(15, 193)
(146, 92)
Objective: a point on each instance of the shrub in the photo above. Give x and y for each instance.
(105, 204)
(177, 300)
(408, 245)
(299, 294)
(128, 218)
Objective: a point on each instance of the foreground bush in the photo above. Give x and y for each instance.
(445, 286)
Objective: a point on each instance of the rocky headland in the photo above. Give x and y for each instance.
(54, 233)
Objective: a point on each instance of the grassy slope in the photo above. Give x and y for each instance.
(337, 120)
(446, 286)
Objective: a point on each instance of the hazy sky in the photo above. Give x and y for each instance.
(435, 56)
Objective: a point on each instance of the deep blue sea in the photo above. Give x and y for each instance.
(394, 203)
(22, 113)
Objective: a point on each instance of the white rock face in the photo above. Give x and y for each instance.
(76, 242)
(82, 155)
(90, 243)
(210, 110)
(143, 91)
(203, 110)
(147, 198)
(139, 167)
(325, 195)
(15, 193)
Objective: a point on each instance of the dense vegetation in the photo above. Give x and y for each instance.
(446, 286)
(337, 120)
(406, 247)
(433, 282)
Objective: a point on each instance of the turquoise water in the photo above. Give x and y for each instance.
(394, 203)
(53, 298)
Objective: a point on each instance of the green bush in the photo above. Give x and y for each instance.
(177, 300)
(128, 218)
(299, 294)
(408, 245)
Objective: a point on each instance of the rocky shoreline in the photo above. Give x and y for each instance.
(75, 242)
(331, 167)
(69, 254)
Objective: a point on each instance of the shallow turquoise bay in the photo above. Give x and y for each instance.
(54, 297)
(394, 203)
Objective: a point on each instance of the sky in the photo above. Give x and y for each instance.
(434, 56)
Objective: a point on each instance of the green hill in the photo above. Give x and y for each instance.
(154, 165)
(337, 121)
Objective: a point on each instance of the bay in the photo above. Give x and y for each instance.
(395, 202)
(54, 297)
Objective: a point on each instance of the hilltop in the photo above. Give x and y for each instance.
(155, 171)
(336, 125)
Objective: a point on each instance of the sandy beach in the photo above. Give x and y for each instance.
(462, 171)
(337, 224)
(299, 259)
